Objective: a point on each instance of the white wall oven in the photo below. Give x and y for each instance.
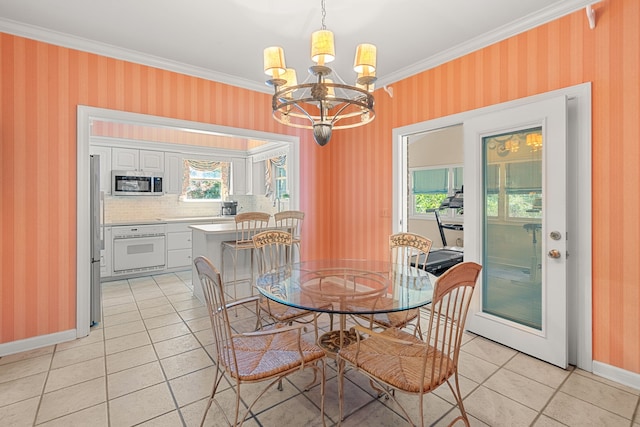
(139, 248)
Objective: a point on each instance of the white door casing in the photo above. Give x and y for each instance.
(579, 209)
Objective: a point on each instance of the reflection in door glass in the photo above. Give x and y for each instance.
(512, 222)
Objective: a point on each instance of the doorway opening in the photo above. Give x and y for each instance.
(578, 168)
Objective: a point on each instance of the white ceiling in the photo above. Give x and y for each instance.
(223, 40)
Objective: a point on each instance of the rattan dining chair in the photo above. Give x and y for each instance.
(396, 360)
(405, 250)
(248, 224)
(291, 221)
(273, 254)
(256, 356)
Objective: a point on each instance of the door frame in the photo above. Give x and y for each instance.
(84, 116)
(579, 203)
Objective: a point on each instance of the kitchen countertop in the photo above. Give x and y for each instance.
(219, 228)
(211, 219)
(130, 223)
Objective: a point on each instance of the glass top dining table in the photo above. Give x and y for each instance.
(342, 286)
(348, 286)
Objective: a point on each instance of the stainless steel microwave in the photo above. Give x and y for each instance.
(136, 183)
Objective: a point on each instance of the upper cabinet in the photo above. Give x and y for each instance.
(173, 173)
(132, 159)
(152, 161)
(239, 176)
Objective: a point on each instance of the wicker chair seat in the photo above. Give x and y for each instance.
(400, 365)
(397, 319)
(261, 357)
(281, 312)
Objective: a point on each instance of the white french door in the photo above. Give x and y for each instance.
(515, 215)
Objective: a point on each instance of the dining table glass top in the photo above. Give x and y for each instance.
(348, 286)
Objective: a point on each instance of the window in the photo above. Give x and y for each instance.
(281, 182)
(276, 178)
(430, 186)
(205, 180)
(519, 196)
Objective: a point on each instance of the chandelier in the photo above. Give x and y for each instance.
(534, 140)
(323, 102)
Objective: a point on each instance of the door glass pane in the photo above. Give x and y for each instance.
(512, 222)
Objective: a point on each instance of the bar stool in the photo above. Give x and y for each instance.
(248, 224)
(291, 221)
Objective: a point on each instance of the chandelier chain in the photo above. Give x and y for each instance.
(324, 14)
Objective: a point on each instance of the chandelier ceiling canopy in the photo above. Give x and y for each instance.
(322, 102)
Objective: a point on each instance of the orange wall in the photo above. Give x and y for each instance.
(560, 54)
(346, 186)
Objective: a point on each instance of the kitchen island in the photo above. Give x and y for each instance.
(207, 241)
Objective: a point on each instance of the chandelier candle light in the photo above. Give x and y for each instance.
(323, 102)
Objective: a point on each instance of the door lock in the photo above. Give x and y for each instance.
(555, 235)
(554, 253)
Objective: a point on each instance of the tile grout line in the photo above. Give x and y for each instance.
(44, 385)
(164, 374)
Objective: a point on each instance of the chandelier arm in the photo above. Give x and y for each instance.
(337, 127)
(296, 105)
(280, 104)
(337, 116)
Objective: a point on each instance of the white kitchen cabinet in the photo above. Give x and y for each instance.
(132, 159)
(258, 180)
(179, 244)
(105, 166)
(152, 161)
(125, 159)
(238, 176)
(173, 173)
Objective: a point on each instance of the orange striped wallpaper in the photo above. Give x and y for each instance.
(345, 186)
(560, 54)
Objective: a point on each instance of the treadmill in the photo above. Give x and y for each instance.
(440, 260)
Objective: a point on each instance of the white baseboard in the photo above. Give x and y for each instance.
(33, 343)
(618, 375)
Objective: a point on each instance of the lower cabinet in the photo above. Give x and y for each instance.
(179, 244)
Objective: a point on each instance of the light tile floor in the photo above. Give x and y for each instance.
(148, 364)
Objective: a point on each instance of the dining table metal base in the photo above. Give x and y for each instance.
(333, 341)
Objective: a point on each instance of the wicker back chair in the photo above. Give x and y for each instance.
(248, 224)
(405, 250)
(396, 360)
(291, 221)
(255, 356)
(273, 253)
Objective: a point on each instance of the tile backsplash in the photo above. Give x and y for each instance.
(149, 208)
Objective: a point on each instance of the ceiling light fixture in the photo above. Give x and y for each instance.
(323, 102)
(534, 140)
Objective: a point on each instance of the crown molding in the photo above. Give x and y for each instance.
(555, 11)
(511, 29)
(86, 45)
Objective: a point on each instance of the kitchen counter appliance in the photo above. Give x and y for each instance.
(228, 208)
(136, 183)
(139, 248)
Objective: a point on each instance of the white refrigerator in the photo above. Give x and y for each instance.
(97, 242)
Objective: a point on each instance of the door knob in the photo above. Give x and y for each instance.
(554, 253)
